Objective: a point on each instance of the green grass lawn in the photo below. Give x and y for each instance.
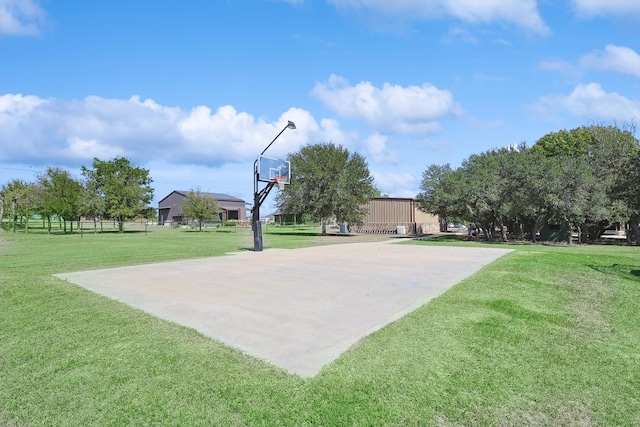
(547, 335)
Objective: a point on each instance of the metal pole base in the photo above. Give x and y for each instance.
(257, 236)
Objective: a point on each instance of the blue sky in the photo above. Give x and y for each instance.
(195, 90)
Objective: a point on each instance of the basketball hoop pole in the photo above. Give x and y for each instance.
(260, 196)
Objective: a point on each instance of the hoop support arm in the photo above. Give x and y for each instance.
(262, 195)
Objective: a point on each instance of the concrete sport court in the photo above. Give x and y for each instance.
(297, 309)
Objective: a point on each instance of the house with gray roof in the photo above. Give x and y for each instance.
(170, 208)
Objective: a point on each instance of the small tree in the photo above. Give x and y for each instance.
(23, 199)
(62, 195)
(327, 181)
(200, 207)
(436, 196)
(125, 190)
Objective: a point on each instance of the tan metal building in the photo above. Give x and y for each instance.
(395, 215)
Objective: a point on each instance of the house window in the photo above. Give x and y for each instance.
(232, 215)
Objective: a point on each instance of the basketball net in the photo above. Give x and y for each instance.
(281, 181)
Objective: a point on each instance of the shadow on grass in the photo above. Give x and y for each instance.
(516, 311)
(443, 238)
(630, 272)
(292, 233)
(75, 232)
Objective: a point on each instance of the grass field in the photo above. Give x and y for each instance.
(547, 335)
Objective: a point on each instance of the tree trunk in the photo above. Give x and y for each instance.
(532, 230)
(324, 227)
(488, 232)
(580, 228)
(632, 230)
(503, 230)
(49, 224)
(598, 230)
(442, 222)
(627, 234)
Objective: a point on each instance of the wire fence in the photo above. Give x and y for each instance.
(90, 226)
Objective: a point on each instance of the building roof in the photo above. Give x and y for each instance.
(217, 196)
(390, 198)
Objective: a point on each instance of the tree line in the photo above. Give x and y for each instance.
(113, 189)
(587, 178)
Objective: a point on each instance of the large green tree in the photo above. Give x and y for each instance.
(628, 191)
(484, 196)
(563, 142)
(200, 207)
(587, 178)
(573, 194)
(61, 196)
(599, 151)
(125, 190)
(526, 184)
(327, 181)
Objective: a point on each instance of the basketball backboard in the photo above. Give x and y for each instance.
(273, 170)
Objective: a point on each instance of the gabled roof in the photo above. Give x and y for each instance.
(217, 196)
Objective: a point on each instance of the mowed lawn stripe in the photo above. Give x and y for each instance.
(546, 335)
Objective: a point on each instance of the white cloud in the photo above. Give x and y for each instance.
(396, 184)
(605, 7)
(21, 17)
(53, 131)
(331, 132)
(616, 58)
(522, 13)
(18, 104)
(589, 101)
(377, 150)
(408, 110)
(86, 149)
(502, 42)
(228, 135)
(37, 129)
(459, 34)
(561, 66)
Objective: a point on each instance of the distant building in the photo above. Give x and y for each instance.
(387, 214)
(170, 208)
(283, 218)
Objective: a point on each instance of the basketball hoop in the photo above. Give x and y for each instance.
(281, 181)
